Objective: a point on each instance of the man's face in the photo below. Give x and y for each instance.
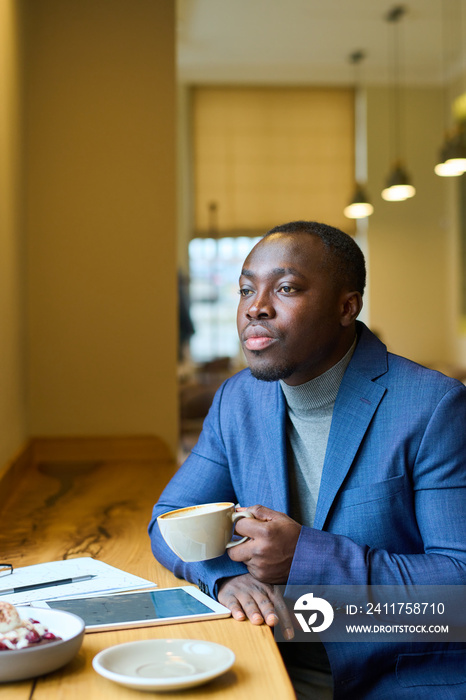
(290, 310)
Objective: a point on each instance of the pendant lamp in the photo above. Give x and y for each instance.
(452, 156)
(359, 206)
(452, 160)
(398, 185)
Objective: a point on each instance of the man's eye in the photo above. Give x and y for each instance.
(288, 289)
(244, 292)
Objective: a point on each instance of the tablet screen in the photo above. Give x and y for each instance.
(132, 607)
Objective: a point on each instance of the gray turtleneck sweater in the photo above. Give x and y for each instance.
(310, 409)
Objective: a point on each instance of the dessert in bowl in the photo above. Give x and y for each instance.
(35, 641)
(18, 633)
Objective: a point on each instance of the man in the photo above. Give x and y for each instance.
(356, 457)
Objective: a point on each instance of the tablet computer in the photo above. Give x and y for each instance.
(162, 606)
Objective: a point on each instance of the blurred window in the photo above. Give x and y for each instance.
(214, 267)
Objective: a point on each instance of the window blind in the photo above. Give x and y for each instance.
(264, 156)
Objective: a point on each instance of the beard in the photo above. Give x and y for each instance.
(272, 373)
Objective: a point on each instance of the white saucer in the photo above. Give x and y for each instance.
(163, 664)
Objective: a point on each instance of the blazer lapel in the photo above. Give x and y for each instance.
(356, 403)
(274, 445)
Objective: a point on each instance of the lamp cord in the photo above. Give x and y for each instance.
(393, 18)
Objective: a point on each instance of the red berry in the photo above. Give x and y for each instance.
(32, 636)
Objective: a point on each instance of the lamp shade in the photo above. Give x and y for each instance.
(452, 160)
(359, 207)
(398, 186)
(448, 169)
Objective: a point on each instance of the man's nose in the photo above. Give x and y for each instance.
(260, 307)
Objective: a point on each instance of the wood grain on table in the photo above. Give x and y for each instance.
(69, 507)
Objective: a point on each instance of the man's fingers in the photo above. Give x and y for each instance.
(261, 512)
(236, 610)
(254, 611)
(269, 551)
(267, 608)
(240, 552)
(242, 606)
(246, 597)
(230, 601)
(284, 617)
(251, 527)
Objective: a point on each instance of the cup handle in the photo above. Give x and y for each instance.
(237, 516)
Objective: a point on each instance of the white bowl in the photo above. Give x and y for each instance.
(19, 664)
(163, 664)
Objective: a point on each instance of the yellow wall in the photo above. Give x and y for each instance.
(12, 346)
(100, 217)
(410, 242)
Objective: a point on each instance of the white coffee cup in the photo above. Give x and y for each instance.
(201, 532)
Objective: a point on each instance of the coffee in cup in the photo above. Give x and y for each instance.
(197, 533)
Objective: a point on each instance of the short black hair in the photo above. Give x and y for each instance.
(347, 260)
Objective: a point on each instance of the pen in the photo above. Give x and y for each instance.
(37, 586)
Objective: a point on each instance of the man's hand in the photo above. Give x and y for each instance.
(259, 602)
(269, 551)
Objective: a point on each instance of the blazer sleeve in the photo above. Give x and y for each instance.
(439, 490)
(203, 478)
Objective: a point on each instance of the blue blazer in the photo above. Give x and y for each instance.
(391, 507)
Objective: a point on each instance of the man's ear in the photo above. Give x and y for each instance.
(351, 305)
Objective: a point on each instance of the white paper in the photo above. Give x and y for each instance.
(107, 579)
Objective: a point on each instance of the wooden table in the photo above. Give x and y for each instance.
(73, 506)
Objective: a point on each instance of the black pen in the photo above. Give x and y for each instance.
(47, 584)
